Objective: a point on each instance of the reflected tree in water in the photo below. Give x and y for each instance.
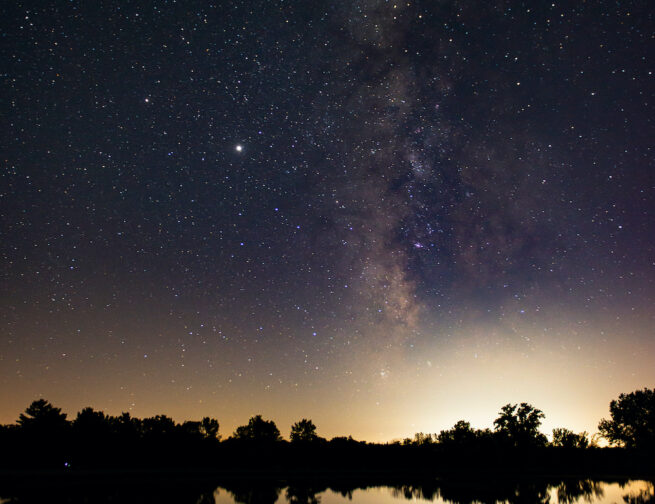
(474, 492)
(646, 496)
(570, 491)
(300, 494)
(416, 492)
(251, 493)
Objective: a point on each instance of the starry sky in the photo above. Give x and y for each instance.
(382, 216)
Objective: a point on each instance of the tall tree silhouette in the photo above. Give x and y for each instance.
(519, 425)
(632, 422)
(46, 435)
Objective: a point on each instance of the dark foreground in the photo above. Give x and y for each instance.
(342, 457)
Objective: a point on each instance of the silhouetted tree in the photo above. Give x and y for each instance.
(158, 426)
(345, 441)
(303, 432)
(565, 438)
(421, 438)
(92, 438)
(209, 428)
(43, 417)
(127, 427)
(258, 429)
(45, 435)
(191, 428)
(461, 433)
(91, 423)
(519, 425)
(632, 422)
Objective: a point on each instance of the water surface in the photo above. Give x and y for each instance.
(471, 491)
(463, 492)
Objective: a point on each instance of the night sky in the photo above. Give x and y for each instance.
(382, 216)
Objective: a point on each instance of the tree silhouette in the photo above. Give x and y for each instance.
(127, 427)
(461, 433)
(41, 416)
(258, 429)
(159, 425)
(633, 420)
(91, 423)
(519, 424)
(209, 428)
(42, 438)
(45, 435)
(303, 431)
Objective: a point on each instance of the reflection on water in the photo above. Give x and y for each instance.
(245, 491)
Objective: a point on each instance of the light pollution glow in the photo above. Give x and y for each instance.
(388, 395)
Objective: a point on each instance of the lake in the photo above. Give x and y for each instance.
(470, 491)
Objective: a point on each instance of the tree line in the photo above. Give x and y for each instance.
(43, 436)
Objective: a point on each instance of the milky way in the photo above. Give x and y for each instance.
(383, 216)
